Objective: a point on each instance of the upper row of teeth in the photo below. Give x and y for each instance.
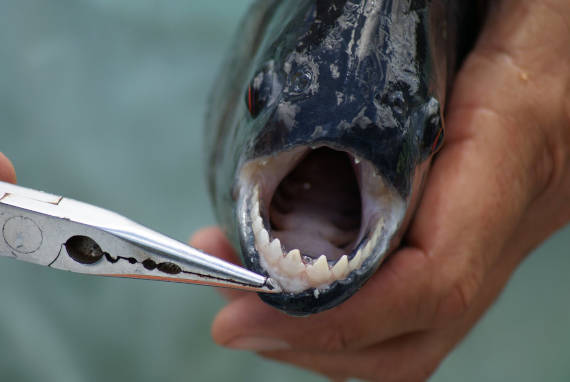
(290, 263)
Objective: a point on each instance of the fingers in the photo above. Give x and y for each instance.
(214, 242)
(527, 68)
(410, 358)
(7, 172)
(398, 299)
(519, 72)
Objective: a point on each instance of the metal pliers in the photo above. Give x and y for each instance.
(65, 234)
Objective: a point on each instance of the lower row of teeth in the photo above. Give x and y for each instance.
(309, 274)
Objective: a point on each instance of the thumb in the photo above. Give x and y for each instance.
(7, 172)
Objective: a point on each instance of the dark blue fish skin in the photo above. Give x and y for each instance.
(370, 77)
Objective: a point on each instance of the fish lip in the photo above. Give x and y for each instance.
(251, 176)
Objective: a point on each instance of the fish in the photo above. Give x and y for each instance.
(320, 131)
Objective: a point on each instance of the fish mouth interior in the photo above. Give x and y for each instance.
(316, 207)
(316, 215)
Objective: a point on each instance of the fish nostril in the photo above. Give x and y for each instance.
(300, 81)
(397, 102)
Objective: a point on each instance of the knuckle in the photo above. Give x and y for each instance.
(333, 340)
(458, 299)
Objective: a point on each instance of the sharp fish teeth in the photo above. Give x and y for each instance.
(368, 248)
(292, 264)
(263, 238)
(273, 253)
(257, 224)
(315, 272)
(356, 261)
(319, 272)
(340, 269)
(255, 209)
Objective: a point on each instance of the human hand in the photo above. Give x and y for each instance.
(7, 173)
(499, 187)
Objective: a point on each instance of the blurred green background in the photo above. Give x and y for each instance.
(103, 101)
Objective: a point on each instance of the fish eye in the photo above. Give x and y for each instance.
(258, 93)
(433, 136)
(395, 100)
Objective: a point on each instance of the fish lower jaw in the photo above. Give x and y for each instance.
(295, 272)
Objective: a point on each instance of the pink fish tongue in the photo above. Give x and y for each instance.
(317, 208)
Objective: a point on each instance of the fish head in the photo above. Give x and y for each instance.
(331, 149)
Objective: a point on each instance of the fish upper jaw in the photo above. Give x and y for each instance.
(306, 228)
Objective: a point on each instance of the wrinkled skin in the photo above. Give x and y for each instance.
(500, 186)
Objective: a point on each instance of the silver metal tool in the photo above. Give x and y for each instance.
(65, 234)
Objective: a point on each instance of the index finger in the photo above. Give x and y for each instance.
(7, 172)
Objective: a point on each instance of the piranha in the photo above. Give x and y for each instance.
(321, 129)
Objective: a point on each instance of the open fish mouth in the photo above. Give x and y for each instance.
(311, 217)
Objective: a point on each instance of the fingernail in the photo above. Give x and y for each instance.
(258, 344)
